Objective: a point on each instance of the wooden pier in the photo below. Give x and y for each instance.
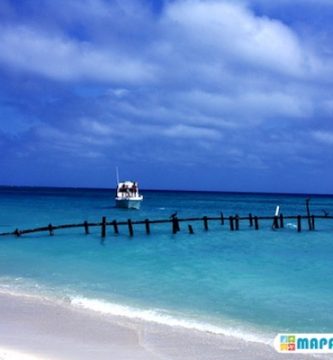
(234, 222)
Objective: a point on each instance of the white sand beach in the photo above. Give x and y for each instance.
(7, 354)
(46, 330)
(38, 329)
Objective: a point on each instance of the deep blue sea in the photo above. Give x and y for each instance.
(252, 284)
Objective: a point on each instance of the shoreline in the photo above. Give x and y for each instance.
(34, 328)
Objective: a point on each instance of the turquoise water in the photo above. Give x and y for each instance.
(252, 284)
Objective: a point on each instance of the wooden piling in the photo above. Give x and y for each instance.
(103, 227)
(147, 225)
(307, 202)
(115, 226)
(313, 223)
(250, 220)
(231, 223)
(299, 223)
(190, 229)
(17, 232)
(256, 223)
(205, 220)
(222, 219)
(275, 222)
(50, 227)
(175, 225)
(281, 221)
(86, 227)
(236, 222)
(130, 227)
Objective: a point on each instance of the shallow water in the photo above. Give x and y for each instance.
(251, 284)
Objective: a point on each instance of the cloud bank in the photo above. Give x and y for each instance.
(187, 84)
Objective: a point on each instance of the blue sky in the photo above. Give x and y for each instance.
(183, 94)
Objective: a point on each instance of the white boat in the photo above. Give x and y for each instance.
(127, 195)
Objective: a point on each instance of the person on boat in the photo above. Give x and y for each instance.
(123, 190)
(134, 189)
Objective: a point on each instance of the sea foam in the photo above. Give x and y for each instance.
(162, 317)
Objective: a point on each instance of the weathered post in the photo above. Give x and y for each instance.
(256, 223)
(190, 229)
(130, 227)
(313, 222)
(231, 223)
(115, 226)
(205, 220)
(250, 220)
(307, 202)
(147, 225)
(50, 227)
(17, 232)
(237, 222)
(281, 221)
(222, 219)
(103, 227)
(275, 222)
(175, 225)
(86, 227)
(299, 223)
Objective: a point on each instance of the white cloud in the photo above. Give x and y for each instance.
(96, 128)
(195, 40)
(185, 131)
(325, 137)
(78, 144)
(231, 30)
(283, 2)
(119, 92)
(248, 107)
(272, 104)
(63, 58)
(328, 106)
(207, 69)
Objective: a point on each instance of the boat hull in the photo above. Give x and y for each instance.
(128, 203)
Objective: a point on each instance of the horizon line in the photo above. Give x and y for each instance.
(167, 190)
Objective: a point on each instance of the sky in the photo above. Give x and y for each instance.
(223, 95)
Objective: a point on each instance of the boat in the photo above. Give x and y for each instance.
(127, 194)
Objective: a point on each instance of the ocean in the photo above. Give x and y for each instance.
(249, 284)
